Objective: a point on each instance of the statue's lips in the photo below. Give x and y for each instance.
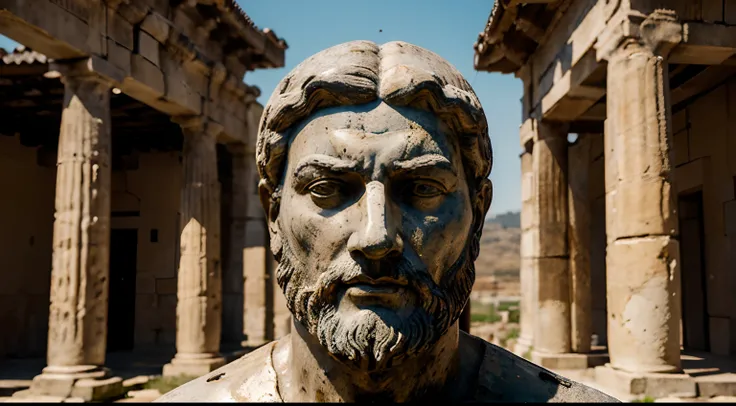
(367, 290)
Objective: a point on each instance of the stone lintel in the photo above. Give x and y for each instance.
(655, 385)
(570, 97)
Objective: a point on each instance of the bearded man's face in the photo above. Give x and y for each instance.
(373, 226)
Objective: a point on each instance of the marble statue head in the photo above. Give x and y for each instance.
(374, 164)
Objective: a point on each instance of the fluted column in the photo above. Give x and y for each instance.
(642, 261)
(551, 255)
(527, 279)
(199, 284)
(259, 286)
(80, 273)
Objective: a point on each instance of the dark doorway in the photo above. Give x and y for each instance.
(692, 255)
(121, 302)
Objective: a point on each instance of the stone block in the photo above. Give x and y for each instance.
(98, 389)
(529, 243)
(642, 207)
(145, 283)
(149, 75)
(166, 286)
(680, 145)
(157, 26)
(148, 47)
(195, 368)
(52, 385)
(569, 360)
(689, 176)
(679, 121)
(119, 56)
(710, 386)
(720, 335)
(596, 179)
(121, 31)
(650, 384)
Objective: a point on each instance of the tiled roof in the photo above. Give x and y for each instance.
(22, 55)
(512, 34)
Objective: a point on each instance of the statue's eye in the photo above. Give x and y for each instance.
(423, 189)
(325, 188)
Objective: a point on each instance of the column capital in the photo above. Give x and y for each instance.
(92, 68)
(198, 123)
(661, 31)
(657, 33)
(195, 123)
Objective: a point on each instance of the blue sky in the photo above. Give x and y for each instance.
(448, 28)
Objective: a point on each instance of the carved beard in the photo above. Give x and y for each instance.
(376, 338)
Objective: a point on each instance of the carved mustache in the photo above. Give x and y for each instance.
(400, 272)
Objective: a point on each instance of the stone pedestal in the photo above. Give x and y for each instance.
(642, 260)
(550, 258)
(199, 289)
(655, 385)
(77, 334)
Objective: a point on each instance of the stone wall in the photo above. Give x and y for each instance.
(597, 199)
(705, 160)
(26, 229)
(156, 187)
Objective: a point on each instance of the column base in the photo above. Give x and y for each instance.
(194, 367)
(523, 348)
(655, 385)
(85, 384)
(568, 360)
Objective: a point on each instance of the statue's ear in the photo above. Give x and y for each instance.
(270, 202)
(482, 203)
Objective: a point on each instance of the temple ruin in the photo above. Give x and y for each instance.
(130, 190)
(629, 224)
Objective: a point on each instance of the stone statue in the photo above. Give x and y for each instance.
(374, 164)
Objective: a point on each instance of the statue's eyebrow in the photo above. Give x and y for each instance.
(433, 161)
(326, 162)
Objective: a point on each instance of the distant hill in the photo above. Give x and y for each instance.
(499, 258)
(511, 219)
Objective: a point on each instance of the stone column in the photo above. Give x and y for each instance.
(527, 278)
(642, 261)
(579, 242)
(79, 275)
(551, 257)
(199, 284)
(258, 290)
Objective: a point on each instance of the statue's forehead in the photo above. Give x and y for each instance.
(352, 129)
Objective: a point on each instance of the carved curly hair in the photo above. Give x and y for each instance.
(358, 72)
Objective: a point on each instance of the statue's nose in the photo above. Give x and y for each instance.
(378, 236)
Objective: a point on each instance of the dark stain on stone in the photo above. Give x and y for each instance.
(546, 376)
(215, 377)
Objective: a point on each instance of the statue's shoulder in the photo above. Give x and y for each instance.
(250, 378)
(505, 376)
